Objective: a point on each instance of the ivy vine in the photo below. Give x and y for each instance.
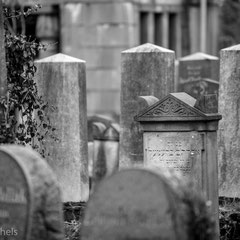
(25, 112)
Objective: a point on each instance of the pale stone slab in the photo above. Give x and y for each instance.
(229, 107)
(30, 198)
(62, 83)
(179, 151)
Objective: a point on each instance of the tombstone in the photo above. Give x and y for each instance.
(30, 199)
(146, 70)
(179, 136)
(142, 204)
(62, 83)
(229, 107)
(105, 151)
(3, 70)
(198, 75)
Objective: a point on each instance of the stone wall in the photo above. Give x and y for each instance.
(98, 32)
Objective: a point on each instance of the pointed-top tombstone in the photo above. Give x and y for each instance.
(198, 56)
(147, 48)
(232, 48)
(3, 70)
(59, 57)
(174, 107)
(229, 106)
(146, 70)
(62, 83)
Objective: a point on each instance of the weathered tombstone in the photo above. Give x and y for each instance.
(229, 107)
(198, 75)
(105, 151)
(146, 70)
(3, 70)
(30, 199)
(62, 83)
(141, 204)
(177, 135)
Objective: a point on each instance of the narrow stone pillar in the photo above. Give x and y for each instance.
(146, 70)
(62, 83)
(3, 70)
(229, 107)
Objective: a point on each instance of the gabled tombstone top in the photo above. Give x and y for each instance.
(59, 57)
(198, 56)
(147, 48)
(175, 107)
(232, 48)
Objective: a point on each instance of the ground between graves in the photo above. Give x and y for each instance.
(229, 219)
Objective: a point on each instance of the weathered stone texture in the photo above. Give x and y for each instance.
(229, 107)
(146, 70)
(62, 82)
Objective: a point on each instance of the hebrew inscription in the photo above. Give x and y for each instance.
(177, 150)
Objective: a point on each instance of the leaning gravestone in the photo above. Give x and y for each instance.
(198, 74)
(30, 201)
(140, 204)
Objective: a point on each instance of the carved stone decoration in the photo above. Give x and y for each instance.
(170, 107)
(175, 106)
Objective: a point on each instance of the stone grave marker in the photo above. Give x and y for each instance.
(142, 204)
(229, 127)
(198, 75)
(179, 136)
(146, 70)
(105, 150)
(62, 83)
(30, 200)
(3, 70)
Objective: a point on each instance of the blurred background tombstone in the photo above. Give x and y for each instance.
(198, 74)
(141, 204)
(105, 151)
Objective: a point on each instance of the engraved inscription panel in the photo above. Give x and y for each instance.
(14, 199)
(178, 150)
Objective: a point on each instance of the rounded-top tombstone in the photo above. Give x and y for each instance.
(137, 204)
(30, 202)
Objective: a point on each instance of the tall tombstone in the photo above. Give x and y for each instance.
(142, 204)
(146, 70)
(30, 198)
(62, 83)
(177, 135)
(229, 107)
(3, 70)
(198, 75)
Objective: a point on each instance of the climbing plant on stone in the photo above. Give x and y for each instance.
(26, 121)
